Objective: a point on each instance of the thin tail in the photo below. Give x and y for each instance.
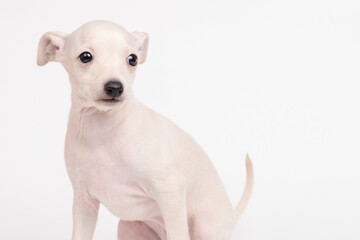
(240, 207)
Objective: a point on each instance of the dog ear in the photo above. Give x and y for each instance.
(51, 47)
(142, 43)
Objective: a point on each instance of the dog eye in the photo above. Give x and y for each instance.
(132, 60)
(85, 57)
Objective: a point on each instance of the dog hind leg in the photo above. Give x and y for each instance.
(135, 230)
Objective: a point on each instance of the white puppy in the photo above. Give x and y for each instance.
(138, 164)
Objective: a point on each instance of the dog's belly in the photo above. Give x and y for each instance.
(122, 196)
(129, 206)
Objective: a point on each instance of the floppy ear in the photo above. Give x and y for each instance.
(142, 43)
(51, 47)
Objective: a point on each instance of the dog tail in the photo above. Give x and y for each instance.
(240, 207)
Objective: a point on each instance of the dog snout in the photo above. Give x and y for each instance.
(113, 88)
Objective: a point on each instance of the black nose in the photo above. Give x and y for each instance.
(113, 88)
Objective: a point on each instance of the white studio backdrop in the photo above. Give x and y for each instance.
(277, 79)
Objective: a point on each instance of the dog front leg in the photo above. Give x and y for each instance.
(169, 192)
(85, 213)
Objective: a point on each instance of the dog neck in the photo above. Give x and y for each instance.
(90, 122)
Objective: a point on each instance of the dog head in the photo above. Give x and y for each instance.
(101, 60)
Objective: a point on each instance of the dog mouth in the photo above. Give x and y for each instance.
(110, 101)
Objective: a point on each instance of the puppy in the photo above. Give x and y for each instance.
(138, 164)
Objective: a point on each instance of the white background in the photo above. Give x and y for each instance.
(277, 79)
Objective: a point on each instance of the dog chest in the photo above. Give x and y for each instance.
(112, 180)
(121, 195)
